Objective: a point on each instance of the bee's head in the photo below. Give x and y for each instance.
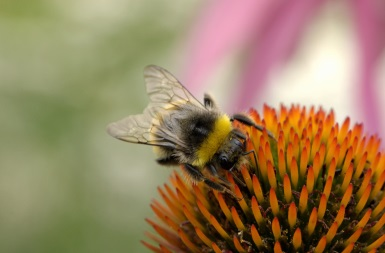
(233, 148)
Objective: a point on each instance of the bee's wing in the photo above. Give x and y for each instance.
(164, 88)
(166, 93)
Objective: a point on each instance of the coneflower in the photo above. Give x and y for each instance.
(317, 188)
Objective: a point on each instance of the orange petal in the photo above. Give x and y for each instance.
(256, 211)
(297, 239)
(176, 247)
(203, 237)
(242, 203)
(192, 219)
(333, 152)
(315, 146)
(174, 206)
(380, 241)
(191, 246)
(303, 198)
(171, 223)
(274, 202)
(364, 183)
(347, 195)
(258, 189)
(344, 148)
(281, 163)
(332, 168)
(247, 178)
(360, 166)
(344, 130)
(360, 151)
(237, 220)
(292, 215)
(378, 186)
(222, 203)
(219, 228)
(322, 206)
(340, 215)
(310, 179)
(199, 196)
(321, 245)
(289, 153)
(256, 238)
(328, 187)
(347, 161)
(277, 247)
(267, 151)
(262, 163)
(364, 220)
(276, 228)
(379, 208)
(349, 248)
(347, 178)
(238, 245)
(180, 184)
(354, 237)
(167, 234)
(294, 173)
(151, 247)
(304, 160)
(164, 249)
(216, 248)
(316, 165)
(362, 201)
(287, 188)
(380, 168)
(159, 212)
(271, 175)
(204, 210)
(380, 223)
(372, 147)
(295, 146)
(312, 221)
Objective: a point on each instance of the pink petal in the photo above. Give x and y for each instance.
(224, 25)
(276, 44)
(370, 22)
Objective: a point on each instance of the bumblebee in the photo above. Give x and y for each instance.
(184, 131)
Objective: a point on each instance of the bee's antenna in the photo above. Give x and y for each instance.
(244, 119)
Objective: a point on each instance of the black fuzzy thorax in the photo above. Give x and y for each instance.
(191, 125)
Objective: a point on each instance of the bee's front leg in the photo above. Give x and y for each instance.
(244, 119)
(197, 176)
(213, 171)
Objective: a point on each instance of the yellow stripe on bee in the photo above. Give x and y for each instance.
(214, 140)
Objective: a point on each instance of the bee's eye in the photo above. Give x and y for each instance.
(224, 162)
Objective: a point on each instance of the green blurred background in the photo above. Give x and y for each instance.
(67, 69)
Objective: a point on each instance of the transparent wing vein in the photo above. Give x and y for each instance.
(166, 94)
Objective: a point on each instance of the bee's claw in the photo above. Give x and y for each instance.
(233, 194)
(237, 179)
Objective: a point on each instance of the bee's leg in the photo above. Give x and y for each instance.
(213, 171)
(240, 135)
(196, 175)
(254, 155)
(235, 177)
(243, 137)
(247, 121)
(168, 161)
